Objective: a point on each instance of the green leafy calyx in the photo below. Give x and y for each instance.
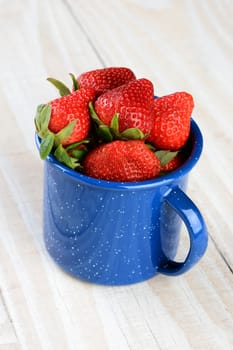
(65, 132)
(74, 81)
(50, 140)
(46, 145)
(42, 119)
(165, 156)
(109, 133)
(62, 156)
(62, 88)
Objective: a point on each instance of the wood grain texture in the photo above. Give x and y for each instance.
(179, 45)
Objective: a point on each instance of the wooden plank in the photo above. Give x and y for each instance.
(8, 337)
(178, 45)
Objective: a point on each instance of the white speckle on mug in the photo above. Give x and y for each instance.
(121, 211)
(118, 236)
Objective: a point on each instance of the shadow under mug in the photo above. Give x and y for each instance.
(121, 233)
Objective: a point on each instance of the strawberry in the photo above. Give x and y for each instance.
(171, 125)
(133, 102)
(122, 161)
(62, 122)
(105, 79)
(72, 107)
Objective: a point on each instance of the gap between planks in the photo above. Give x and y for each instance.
(89, 40)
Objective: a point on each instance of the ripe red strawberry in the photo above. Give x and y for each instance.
(132, 101)
(171, 124)
(106, 78)
(72, 107)
(122, 161)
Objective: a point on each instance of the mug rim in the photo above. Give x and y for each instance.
(184, 169)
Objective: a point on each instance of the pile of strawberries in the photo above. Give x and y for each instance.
(110, 126)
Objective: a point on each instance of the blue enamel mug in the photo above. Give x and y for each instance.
(117, 233)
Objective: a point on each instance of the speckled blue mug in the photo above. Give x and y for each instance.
(121, 233)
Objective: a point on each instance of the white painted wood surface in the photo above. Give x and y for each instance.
(179, 45)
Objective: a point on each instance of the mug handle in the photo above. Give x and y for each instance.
(197, 231)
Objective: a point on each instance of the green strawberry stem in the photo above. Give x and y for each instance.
(94, 115)
(78, 149)
(165, 156)
(74, 81)
(46, 145)
(48, 138)
(65, 132)
(102, 130)
(105, 132)
(114, 125)
(79, 154)
(36, 119)
(42, 119)
(63, 157)
(77, 144)
(108, 133)
(150, 146)
(132, 134)
(62, 88)
(127, 134)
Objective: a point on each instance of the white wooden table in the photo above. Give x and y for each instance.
(179, 45)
